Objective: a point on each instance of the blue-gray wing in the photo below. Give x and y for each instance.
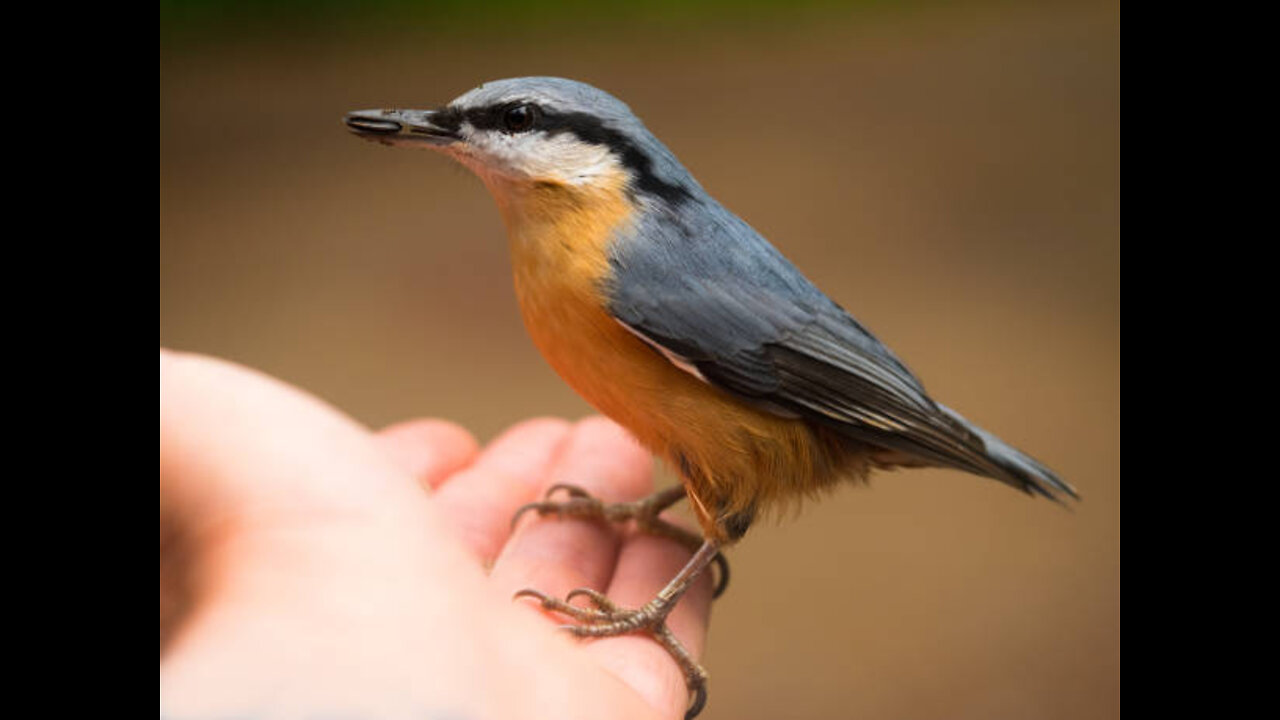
(715, 296)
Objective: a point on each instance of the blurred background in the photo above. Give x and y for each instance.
(949, 172)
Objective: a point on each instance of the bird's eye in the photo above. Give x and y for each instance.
(520, 118)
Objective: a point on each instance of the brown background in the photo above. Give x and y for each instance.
(952, 176)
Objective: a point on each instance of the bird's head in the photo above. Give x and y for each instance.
(540, 133)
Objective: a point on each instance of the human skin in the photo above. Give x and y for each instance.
(324, 569)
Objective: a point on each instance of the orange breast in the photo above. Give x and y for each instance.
(733, 456)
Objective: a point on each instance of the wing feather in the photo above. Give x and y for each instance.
(752, 324)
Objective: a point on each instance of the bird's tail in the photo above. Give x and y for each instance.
(1018, 469)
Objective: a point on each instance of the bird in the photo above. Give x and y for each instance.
(671, 315)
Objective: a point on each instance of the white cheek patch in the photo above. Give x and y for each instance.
(559, 158)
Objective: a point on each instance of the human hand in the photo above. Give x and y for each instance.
(314, 575)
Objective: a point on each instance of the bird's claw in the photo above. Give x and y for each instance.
(608, 619)
(564, 607)
(572, 490)
(580, 504)
(645, 513)
(596, 597)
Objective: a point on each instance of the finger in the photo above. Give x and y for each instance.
(645, 565)
(556, 555)
(250, 438)
(428, 449)
(480, 500)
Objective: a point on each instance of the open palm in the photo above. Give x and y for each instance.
(304, 570)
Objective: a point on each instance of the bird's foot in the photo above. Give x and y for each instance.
(607, 619)
(645, 513)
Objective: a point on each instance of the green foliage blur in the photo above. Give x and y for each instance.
(182, 19)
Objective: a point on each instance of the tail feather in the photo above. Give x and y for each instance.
(1020, 470)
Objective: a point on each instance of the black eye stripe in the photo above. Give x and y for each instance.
(591, 129)
(490, 117)
(585, 127)
(449, 118)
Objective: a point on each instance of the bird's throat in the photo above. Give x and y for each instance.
(559, 234)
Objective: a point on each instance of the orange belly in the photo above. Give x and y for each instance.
(733, 457)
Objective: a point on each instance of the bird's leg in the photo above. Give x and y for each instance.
(644, 513)
(608, 619)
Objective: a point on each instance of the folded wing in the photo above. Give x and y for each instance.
(749, 322)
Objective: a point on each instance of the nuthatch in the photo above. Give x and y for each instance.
(669, 314)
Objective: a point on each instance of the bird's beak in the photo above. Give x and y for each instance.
(400, 127)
